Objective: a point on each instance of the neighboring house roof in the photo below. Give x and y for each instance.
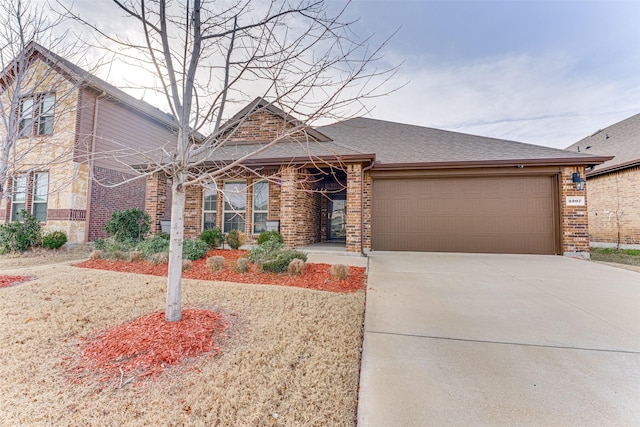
(84, 77)
(621, 140)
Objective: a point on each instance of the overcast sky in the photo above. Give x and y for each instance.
(542, 72)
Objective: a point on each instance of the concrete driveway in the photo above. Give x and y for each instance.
(482, 339)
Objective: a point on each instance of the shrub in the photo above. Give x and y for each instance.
(242, 265)
(18, 236)
(130, 224)
(159, 258)
(235, 239)
(186, 264)
(96, 254)
(194, 249)
(153, 246)
(135, 256)
(118, 255)
(269, 235)
(213, 237)
(264, 251)
(339, 271)
(215, 263)
(162, 235)
(54, 240)
(111, 245)
(281, 260)
(296, 267)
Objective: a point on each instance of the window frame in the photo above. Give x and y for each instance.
(34, 194)
(255, 211)
(212, 188)
(242, 213)
(32, 124)
(15, 192)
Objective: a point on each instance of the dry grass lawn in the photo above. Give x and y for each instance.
(292, 358)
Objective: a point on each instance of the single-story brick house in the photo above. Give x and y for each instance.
(613, 187)
(378, 185)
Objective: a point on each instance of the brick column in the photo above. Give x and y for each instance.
(156, 199)
(288, 187)
(354, 207)
(575, 228)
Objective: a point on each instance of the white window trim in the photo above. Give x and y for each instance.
(253, 206)
(33, 194)
(214, 188)
(14, 214)
(235, 211)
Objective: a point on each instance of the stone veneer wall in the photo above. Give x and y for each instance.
(575, 227)
(614, 207)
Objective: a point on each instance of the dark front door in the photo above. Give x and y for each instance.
(337, 217)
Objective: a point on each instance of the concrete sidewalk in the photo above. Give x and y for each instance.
(481, 339)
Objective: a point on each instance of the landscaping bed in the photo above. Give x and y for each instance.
(282, 355)
(315, 276)
(618, 256)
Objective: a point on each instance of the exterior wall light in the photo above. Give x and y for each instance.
(578, 180)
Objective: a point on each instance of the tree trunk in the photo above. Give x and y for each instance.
(173, 310)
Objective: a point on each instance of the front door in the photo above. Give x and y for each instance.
(337, 217)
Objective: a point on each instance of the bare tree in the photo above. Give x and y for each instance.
(206, 56)
(33, 95)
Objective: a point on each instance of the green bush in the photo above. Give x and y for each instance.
(54, 240)
(153, 246)
(281, 260)
(269, 235)
(163, 235)
(213, 237)
(194, 249)
(235, 239)
(111, 248)
(264, 251)
(18, 236)
(131, 224)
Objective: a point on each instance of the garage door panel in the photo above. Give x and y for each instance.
(492, 214)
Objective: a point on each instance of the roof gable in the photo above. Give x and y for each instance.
(621, 140)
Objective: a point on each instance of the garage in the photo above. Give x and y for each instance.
(480, 214)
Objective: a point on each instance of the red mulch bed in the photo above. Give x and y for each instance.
(6, 281)
(145, 347)
(315, 276)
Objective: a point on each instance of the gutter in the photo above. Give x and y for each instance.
(614, 168)
(91, 162)
(560, 161)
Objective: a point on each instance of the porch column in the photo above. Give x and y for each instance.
(354, 207)
(288, 187)
(156, 199)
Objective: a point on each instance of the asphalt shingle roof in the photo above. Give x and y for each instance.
(621, 140)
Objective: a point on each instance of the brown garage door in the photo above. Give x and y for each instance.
(480, 214)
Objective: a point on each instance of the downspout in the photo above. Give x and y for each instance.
(87, 219)
(362, 171)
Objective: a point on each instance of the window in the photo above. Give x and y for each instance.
(210, 197)
(36, 115)
(19, 196)
(260, 206)
(40, 191)
(235, 205)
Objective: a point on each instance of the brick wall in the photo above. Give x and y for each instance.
(193, 212)
(575, 228)
(614, 207)
(354, 207)
(367, 184)
(156, 199)
(105, 201)
(262, 126)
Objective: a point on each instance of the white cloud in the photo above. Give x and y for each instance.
(541, 100)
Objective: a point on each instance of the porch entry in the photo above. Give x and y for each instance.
(337, 217)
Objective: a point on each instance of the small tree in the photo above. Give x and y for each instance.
(205, 56)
